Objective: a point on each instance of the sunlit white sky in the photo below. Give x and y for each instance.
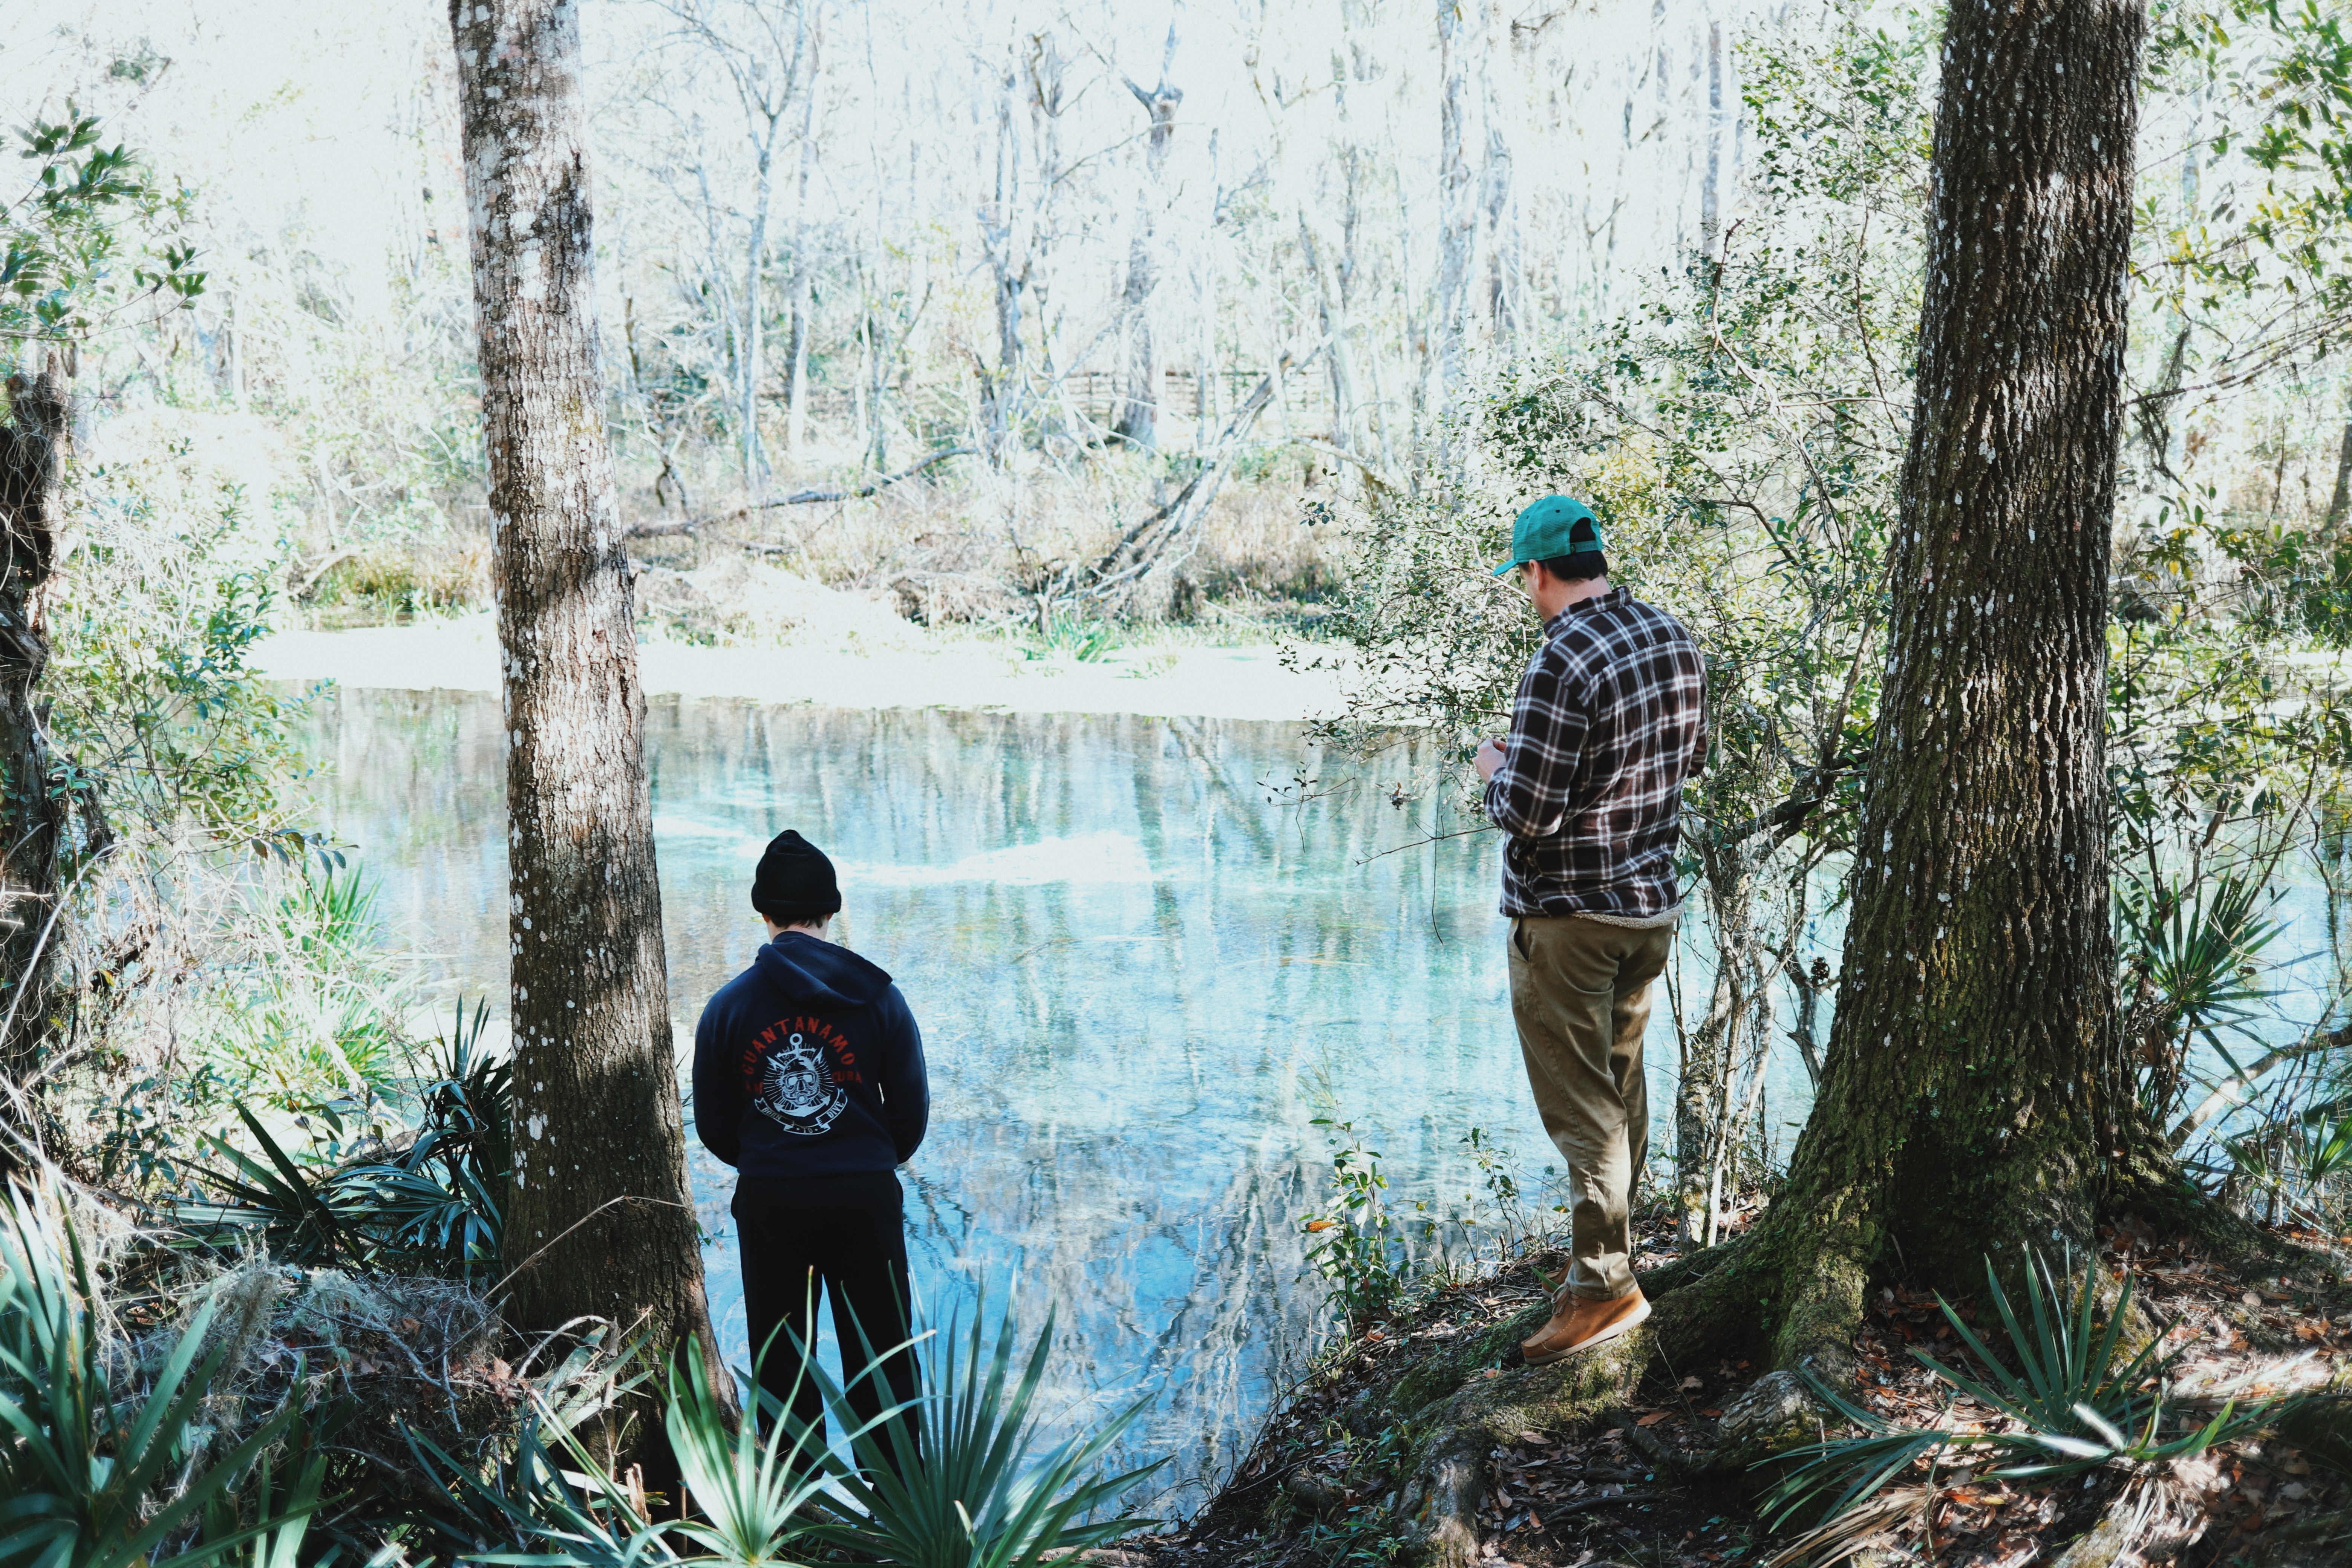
(322, 124)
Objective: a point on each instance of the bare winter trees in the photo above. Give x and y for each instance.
(1021, 228)
(599, 1222)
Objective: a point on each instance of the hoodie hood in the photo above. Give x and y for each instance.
(812, 971)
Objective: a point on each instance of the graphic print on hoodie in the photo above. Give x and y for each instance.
(791, 1061)
(809, 1064)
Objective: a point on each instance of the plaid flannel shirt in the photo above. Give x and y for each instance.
(1608, 722)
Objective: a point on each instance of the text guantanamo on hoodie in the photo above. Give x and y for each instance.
(809, 1064)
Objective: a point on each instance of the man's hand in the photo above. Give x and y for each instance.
(1489, 758)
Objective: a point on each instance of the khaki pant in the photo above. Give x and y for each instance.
(1580, 996)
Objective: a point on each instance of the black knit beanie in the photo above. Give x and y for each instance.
(794, 884)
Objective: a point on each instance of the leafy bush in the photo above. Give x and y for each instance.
(432, 1205)
(1354, 1242)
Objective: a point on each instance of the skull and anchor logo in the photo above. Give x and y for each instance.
(797, 1090)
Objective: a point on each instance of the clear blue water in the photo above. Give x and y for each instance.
(1142, 963)
(1145, 959)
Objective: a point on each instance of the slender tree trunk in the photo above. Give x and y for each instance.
(1139, 414)
(2339, 504)
(1457, 220)
(599, 1221)
(1001, 387)
(1498, 94)
(1332, 316)
(1972, 1090)
(755, 267)
(1710, 190)
(33, 814)
(1703, 1076)
(803, 274)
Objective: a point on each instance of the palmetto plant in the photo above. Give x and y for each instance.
(2289, 1156)
(2192, 958)
(97, 1470)
(978, 1497)
(755, 1488)
(432, 1204)
(769, 1493)
(304, 1216)
(438, 1197)
(2069, 1406)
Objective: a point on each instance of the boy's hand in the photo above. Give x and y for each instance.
(1489, 758)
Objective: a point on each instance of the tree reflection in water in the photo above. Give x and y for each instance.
(1139, 966)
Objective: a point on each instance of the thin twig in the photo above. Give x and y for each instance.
(575, 1225)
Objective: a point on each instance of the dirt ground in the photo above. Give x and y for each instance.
(1622, 1494)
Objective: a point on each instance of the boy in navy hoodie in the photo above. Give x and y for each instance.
(808, 1078)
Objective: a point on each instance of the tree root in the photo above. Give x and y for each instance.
(1793, 1293)
(1439, 1504)
(1483, 1406)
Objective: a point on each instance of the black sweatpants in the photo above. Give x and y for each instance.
(845, 1235)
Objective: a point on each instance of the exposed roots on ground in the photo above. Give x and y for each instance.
(1428, 1439)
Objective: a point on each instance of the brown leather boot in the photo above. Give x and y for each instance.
(1577, 1323)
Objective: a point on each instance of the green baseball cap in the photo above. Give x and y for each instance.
(1541, 532)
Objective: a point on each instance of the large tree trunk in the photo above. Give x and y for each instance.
(1969, 1092)
(32, 814)
(599, 1221)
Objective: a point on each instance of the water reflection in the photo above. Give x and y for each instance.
(1138, 975)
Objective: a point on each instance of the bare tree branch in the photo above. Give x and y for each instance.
(798, 498)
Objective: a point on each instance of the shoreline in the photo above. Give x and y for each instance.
(461, 654)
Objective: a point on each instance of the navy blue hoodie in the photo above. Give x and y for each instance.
(809, 1064)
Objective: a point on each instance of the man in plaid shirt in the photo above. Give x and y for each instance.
(1608, 722)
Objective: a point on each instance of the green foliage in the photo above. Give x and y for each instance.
(1355, 1243)
(1517, 1224)
(2070, 1406)
(432, 1205)
(1071, 637)
(2277, 78)
(158, 716)
(755, 1491)
(557, 1507)
(311, 1221)
(438, 1199)
(768, 1491)
(981, 1496)
(2286, 1156)
(276, 1540)
(100, 1468)
(62, 244)
(2193, 959)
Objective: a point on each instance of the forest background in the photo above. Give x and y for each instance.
(1261, 320)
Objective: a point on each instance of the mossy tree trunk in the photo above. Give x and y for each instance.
(1969, 1090)
(600, 1220)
